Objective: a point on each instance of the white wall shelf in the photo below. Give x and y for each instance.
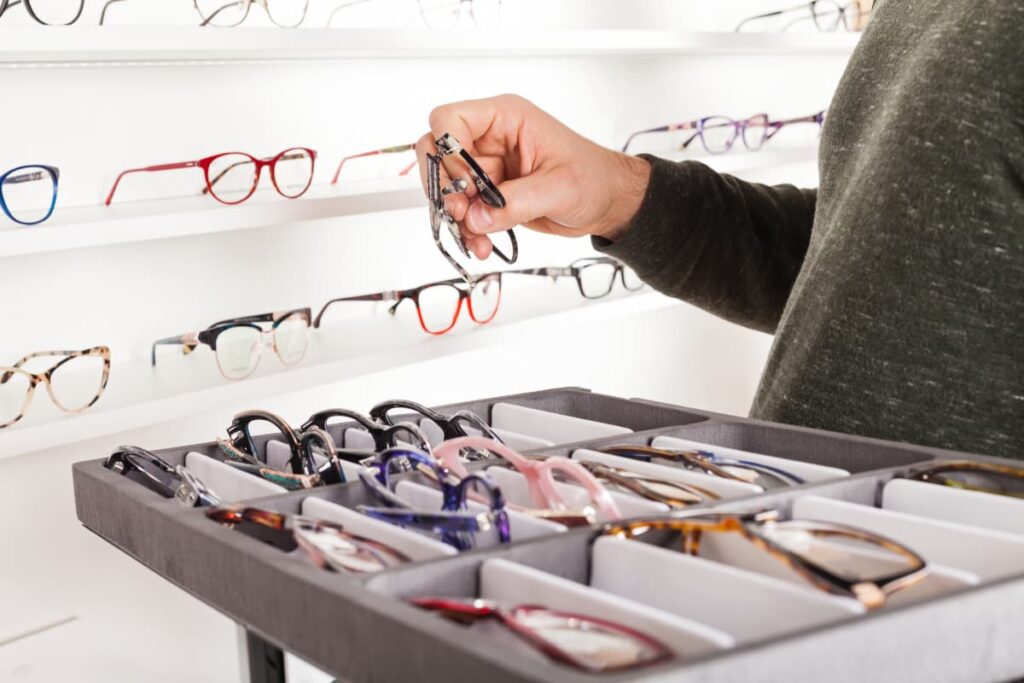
(142, 46)
(141, 221)
(139, 395)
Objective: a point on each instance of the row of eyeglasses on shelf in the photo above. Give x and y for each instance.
(822, 15)
(454, 479)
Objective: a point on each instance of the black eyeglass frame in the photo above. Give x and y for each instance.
(7, 4)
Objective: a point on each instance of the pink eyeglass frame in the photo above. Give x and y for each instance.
(205, 163)
(539, 474)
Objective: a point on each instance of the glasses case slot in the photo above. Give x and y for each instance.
(725, 488)
(974, 508)
(988, 554)
(552, 427)
(229, 484)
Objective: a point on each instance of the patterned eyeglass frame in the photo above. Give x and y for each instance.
(290, 154)
(440, 218)
(36, 378)
(399, 296)
(8, 4)
(871, 594)
(26, 174)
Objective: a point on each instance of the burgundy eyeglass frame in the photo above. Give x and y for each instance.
(205, 163)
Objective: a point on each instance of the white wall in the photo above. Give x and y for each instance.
(92, 120)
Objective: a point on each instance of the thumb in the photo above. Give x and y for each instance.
(526, 199)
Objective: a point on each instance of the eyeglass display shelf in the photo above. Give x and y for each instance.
(141, 46)
(141, 221)
(140, 395)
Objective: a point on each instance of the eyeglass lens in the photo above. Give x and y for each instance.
(29, 194)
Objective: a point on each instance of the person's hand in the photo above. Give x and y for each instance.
(554, 180)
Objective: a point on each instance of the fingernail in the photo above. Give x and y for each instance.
(479, 218)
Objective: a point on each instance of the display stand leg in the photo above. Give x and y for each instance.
(259, 661)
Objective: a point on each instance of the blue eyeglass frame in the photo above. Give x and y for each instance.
(6, 179)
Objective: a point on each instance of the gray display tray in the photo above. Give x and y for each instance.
(359, 628)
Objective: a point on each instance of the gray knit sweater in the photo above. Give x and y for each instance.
(896, 290)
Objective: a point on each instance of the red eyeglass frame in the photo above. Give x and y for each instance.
(205, 163)
(397, 149)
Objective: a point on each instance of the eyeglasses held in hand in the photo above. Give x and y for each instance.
(74, 383)
(232, 177)
(48, 12)
(328, 545)
(446, 14)
(539, 473)
(588, 643)
(839, 559)
(438, 304)
(983, 477)
(459, 423)
(708, 462)
(28, 194)
(827, 16)
(594, 275)
(718, 134)
(156, 474)
(442, 224)
(238, 343)
(674, 494)
(398, 149)
(453, 524)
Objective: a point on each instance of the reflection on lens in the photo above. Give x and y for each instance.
(630, 280)
(57, 12)
(440, 13)
(291, 338)
(596, 279)
(223, 12)
(238, 350)
(592, 645)
(839, 552)
(438, 307)
(718, 133)
(287, 13)
(232, 177)
(77, 381)
(754, 131)
(29, 193)
(293, 172)
(14, 395)
(484, 298)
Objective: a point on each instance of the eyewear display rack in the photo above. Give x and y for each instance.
(359, 628)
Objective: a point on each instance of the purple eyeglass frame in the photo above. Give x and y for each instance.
(770, 127)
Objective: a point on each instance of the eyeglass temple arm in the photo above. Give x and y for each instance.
(103, 13)
(378, 296)
(23, 178)
(768, 15)
(147, 169)
(189, 340)
(552, 272)
(685, 125)
(386, 150)
(775, 126)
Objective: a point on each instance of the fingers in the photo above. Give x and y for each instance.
(480, 125)
(527, 199)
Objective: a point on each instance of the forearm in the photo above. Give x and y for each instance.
(730, 247)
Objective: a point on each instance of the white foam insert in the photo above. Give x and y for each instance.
(515, 584)
(516, 491)
(417, 546)
(746, 605)
(229, 484)
(735, 550)
(986, 510)
(988, 554)
(805, 470)
(550, 426)
(725, 488)
(521, 526)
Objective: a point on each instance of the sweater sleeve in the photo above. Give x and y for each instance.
(730, 247)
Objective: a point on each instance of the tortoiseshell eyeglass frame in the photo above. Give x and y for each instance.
(440, 218)
(870, 593)
(190, 341)
(399, 296)
(937, 474)
(36, 378)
